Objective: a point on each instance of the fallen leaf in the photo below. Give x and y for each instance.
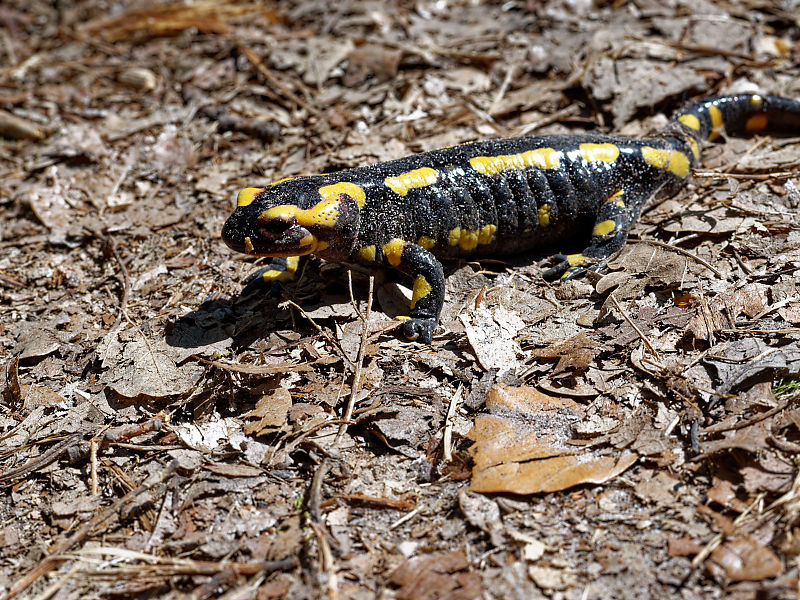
(574, 354)
(722, 492)
(551, 474)
(658, 488)
(744, 559)
(272, 409)
(683, 546)
(491, 334)
(436, 575)
(522, 447)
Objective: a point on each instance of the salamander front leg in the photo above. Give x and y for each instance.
(428, 289)
(610, 231)
(282, 268)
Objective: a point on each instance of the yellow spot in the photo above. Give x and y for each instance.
(309, 240)
(421, 289)
(717, 123)
(393, 251)
(468, 240)
(292, 262)
(281, 180)
(247, 195)
(486, 234)
(655, 157)
(578, 260)
(544, 215)
(690, 121)
(356, 192)
(275, 275)
(604, 227)
(757, 122)
(543, 158)
(426, 242)
(756, 101)
(678, 164)
(454, 236)
(367, 253)
(402, 318)
(671, 160)
(400, 184)
(616, 198)
(248, 246)
(599, 152)
(272, 275)
(322, 214)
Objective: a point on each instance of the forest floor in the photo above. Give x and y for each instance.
(630, 434)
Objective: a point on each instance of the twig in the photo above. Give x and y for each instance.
(375, 501)
(315, 491)
(327, 565)
(748, 176)
(47, 458)
(321, 331)
(255, 369)
(717, 539)
(126, 283)
(356, 386)
(749, 422)
(638, 331)
(93, 459)
(81, 533)
(503, 88)
(404, 519)
(448, 424)
(681, 251)
(556, 116)
(266, 74)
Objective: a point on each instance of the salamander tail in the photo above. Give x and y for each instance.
(720, 116)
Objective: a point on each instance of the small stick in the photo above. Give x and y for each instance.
(348, 413)
(635, 328)
(93, 454)
(321, 331)
(448, 424)
(327, 561)
(684, 252)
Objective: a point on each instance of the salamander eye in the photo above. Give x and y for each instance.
(274, 228)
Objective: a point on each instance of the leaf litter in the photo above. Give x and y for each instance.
(628, 435)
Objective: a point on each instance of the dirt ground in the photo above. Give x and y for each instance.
(632, 434)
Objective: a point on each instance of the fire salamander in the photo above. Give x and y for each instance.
(487, 198)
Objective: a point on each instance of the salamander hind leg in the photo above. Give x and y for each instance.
(610, 231)
(268, 278)
(428, 287)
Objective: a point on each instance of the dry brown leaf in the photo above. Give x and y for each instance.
(491, 333)
(658, 488)
(744, 559)
(550, 474)
(36, 395)
(722, 492)
(520, 448)
(683, 546)
(273, 410)
(574, 354)
(436, 575)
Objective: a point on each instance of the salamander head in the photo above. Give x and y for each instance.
(295, 217)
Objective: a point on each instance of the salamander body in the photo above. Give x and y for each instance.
(488, 198)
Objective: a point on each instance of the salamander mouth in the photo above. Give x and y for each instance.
(294, 240)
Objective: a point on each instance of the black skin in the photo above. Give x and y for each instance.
(598, 193)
